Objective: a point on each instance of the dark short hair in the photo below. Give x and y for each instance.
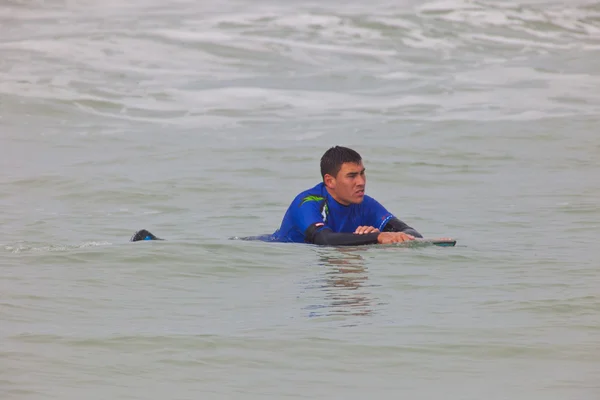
(332, 160)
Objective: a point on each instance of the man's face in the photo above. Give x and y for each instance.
(349, 185)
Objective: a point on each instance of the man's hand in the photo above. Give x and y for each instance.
(361, 230)
(393, 237)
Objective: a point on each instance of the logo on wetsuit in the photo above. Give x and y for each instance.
(325, 211)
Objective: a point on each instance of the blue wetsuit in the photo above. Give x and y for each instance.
(316, 217)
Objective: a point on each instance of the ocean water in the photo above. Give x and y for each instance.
(201, 121)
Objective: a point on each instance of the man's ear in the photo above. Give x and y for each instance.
(329, 181)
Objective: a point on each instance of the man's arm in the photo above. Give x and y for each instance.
(320, 235)
(379, 217)
(395, 225)
(317, 234)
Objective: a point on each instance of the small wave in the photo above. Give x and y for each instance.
(543, 22)
(23, 248)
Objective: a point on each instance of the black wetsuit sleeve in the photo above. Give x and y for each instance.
(395, 225)
(329, 238)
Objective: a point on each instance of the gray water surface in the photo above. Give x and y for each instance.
(201, 121)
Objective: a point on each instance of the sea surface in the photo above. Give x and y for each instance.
(201, 121)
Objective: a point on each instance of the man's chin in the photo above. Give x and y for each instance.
(358, 199)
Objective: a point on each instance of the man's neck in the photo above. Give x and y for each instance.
(333, 194)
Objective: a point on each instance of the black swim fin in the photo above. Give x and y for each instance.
(143, 235)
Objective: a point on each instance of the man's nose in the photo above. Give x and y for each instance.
(361, 180)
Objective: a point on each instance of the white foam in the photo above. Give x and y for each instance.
(447, 5)
(309, 135)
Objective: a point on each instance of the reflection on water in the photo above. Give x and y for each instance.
(344, 281)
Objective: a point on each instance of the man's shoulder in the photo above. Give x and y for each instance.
(369, 204)
(369, 201)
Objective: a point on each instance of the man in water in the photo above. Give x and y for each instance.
(337, 211)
